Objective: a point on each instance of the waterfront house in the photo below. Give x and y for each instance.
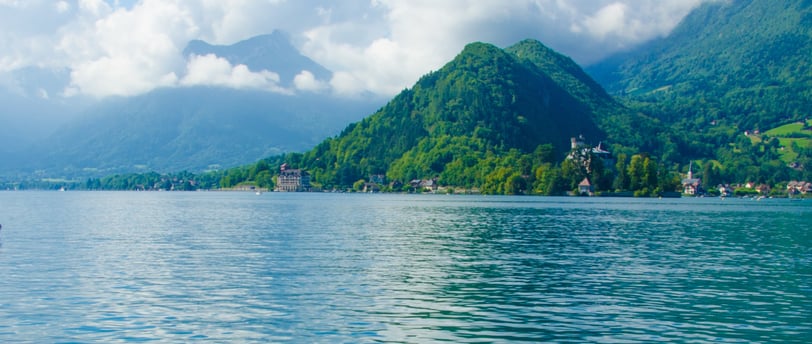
(429, 184)
(586, 188)
(798, 187)
(725, 190)
(691, 185)
(371, 187)
(292, 180)
(763, 189)
(379, 179)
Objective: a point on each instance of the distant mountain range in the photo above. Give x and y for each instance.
(741, 63)
(272, 52)
(197, 128)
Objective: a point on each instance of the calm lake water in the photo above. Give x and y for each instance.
(360, 268)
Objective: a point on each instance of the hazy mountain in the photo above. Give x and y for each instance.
(741, 63)
(32, 107)
(197, 128)
(272, 52)
(192, 129)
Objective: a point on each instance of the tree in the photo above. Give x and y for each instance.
(515, 185)
(649, 174)
(358, 185)
(621, 181)
(710, 174)
(636, 171)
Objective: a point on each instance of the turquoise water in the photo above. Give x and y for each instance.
(360, 268)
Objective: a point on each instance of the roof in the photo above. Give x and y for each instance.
(691, 181)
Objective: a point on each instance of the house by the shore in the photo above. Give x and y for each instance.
(292, 180)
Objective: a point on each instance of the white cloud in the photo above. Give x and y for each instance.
(379, 46)
(608, 20)
(419, 36)
(125, 52)
(627, 24)
(62, 6)
(306, 81)
(94, 7)
(210, 70)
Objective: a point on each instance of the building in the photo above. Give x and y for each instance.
(725, 190)
(586, 188)
(798, 187)
(292, 180)
(429, 185)
(578, 143)
(691, 185)
(583, 154)
(379, 179)
(371, 187)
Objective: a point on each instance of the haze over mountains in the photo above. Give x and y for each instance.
(198, 127)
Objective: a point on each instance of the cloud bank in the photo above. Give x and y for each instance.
(380, 46)
(210, 70)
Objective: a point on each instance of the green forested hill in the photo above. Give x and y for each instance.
(743, 64)
(458, 123)
(728, 68)
(622, 125)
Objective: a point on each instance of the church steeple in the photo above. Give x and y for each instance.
(690, 173)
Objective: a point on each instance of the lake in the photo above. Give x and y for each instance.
(368, 268)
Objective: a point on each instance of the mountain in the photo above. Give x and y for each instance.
(197, 128)
(194, 129)
(32, 107)
(741, 64)
(632, 130)
(272, 52)
(486, 104)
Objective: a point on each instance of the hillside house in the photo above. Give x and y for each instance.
(583, 153)
(579, 143)
(292, 180)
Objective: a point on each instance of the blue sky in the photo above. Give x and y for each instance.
(126, 48)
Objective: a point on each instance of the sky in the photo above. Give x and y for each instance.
(125, 48)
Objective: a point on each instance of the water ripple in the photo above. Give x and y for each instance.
(185, 267)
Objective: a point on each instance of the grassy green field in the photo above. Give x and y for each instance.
(791, 129)
(789, 134)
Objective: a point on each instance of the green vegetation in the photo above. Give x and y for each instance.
(793, 140)
(729, 67)
(742, 64)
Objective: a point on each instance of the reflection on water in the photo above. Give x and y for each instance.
(401, 268)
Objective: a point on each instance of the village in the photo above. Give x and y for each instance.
(298, 180)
